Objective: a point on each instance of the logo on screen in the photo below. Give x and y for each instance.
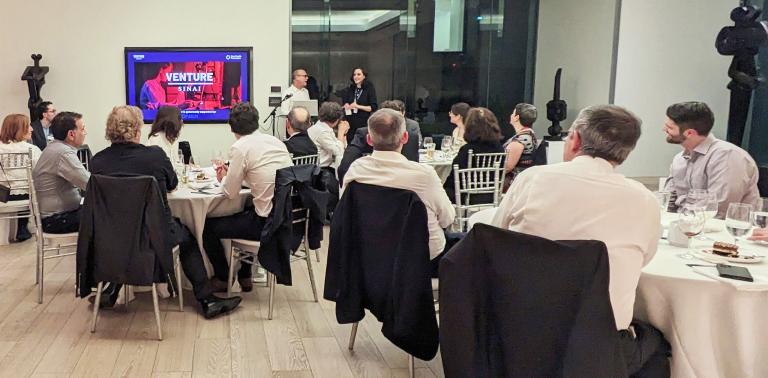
(233, 57)
(138, 57)
(189, 81)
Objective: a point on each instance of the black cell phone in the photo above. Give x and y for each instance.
(734, 272)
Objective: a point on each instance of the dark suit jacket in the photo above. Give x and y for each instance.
(280, 235)
(381, 263)
(360, 147)
(38, 135)
(516, 305)
(122, 236)
(301, 145)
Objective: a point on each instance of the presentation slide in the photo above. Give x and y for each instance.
(203, 83)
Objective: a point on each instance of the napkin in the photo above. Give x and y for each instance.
(760, 282)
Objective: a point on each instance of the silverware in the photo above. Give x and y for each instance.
(708, 266)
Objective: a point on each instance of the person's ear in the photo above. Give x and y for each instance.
(575, 141)
(368, 139)
(404, 138)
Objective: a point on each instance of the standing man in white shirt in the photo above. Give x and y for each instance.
(253, 158)
(585, 198)
(706, 162)
(330, 143)
(298, 91)
(388, 167)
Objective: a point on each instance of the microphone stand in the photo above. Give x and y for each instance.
(274, 112)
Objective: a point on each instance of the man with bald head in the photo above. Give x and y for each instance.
(296, 125)
(297, 91)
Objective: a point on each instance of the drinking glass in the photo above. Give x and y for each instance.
(447, 144)
(737, 220)
(711, 206)
(429, 145)
(663, 198)
(217, 159)
(691, 223)
(760, 214)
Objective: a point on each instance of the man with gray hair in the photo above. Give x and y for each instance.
(296, 125)
(585, 198)
(386, 166)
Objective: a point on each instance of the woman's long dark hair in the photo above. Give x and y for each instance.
(482, 126)
(352, 77)
(168, 120)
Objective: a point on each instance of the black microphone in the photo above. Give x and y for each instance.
(287, 96)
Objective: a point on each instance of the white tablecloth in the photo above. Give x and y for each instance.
(715, 330)
(441, 163)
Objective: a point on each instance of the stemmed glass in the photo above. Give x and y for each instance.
(691, 223)
(702, 198)
(662, 197)
(217, 159)
(737, 220)
(447, 146)
(429, 145)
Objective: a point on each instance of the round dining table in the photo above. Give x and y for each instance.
(441, 162)
(717, 327)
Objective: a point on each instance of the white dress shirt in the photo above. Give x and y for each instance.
(296, 94)
(254, 159)
(171, 149)
(330, 149)
(586, 199)
(719, 167)
(392, 169)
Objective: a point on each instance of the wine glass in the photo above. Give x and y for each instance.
(759, 215)
(691, 223)
(737, 220)
(217, 159)
(663, 197)
(447, 145)
(429, 145)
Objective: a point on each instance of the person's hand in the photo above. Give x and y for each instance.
(347, 107)
(221, 171)
(353, 105)
(760, 234)
(343, 128)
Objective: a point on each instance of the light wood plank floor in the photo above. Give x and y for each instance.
(52, 339)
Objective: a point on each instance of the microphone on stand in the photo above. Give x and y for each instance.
(287, 96)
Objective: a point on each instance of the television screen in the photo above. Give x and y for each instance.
(203, 82)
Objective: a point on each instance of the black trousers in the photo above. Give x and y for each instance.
(243, 225)
(22, 230)
(646, 352)
(191, 259)
(62, 223)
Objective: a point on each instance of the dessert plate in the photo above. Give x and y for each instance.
(742, 258)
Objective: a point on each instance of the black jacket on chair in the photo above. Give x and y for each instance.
(122, 237)
(378, 259)
(280, 236)
(38, 135)
(516, 305)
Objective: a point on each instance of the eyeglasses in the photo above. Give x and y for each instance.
(50, 111)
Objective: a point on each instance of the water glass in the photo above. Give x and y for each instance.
(737, 220)
(760, 214)
(663, 198)
(447, 144)
(429, 145)
(217, 159)
(691, 223)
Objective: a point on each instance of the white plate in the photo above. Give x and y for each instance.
(204, 184)
(742, 258)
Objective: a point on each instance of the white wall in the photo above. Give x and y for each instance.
(576, 35)
(82, 41)
(667, 55)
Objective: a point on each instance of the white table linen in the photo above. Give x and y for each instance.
(442, 163)
(715, 329)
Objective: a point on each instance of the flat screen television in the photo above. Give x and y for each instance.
(203, 82)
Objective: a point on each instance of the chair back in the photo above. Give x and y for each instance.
(306, 159)
(485, 160)
(476, 189)
(18, 176)
(84, 154)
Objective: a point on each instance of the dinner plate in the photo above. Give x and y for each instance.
(742, 258)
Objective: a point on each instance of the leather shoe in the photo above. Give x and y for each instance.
(218, 286)
(246, 284)
(108, 296)
(214, 306)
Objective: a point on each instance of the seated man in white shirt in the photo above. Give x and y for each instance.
(585, 198)
(706, 162)
(330, 143)
(388, 167)
(253, 158)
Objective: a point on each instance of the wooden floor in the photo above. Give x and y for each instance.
(52, 339)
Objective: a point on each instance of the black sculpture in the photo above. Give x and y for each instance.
(35, 78)
(743, 40)
(557, 111)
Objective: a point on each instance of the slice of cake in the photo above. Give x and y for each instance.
(725, 249)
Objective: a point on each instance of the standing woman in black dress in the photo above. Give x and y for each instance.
(359, 102)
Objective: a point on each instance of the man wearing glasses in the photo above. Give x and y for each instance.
(41, 133)
(298, 92)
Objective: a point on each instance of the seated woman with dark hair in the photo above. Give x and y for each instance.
(483, 135)
(165, 132)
